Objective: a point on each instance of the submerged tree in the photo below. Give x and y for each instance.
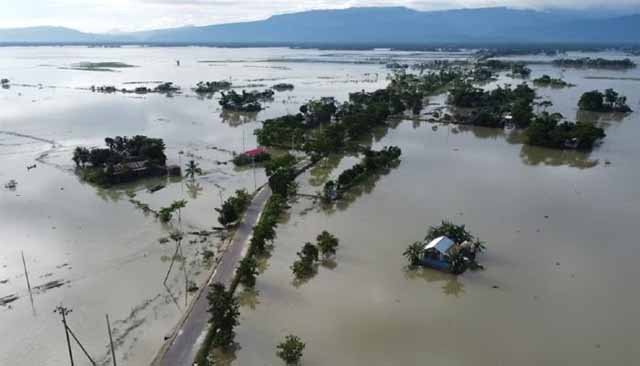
(224, 310)
(247, 271)
(192, 169)
(414, 253)
(327, 243)
(290, 350)
(305, 265)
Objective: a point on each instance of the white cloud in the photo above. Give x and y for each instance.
(104, 15)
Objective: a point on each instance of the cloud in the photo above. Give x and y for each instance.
(104, 15)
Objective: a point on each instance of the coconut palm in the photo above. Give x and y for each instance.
(192, 169)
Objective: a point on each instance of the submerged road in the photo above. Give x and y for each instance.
(181, 349)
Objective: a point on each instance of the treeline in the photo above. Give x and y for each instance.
(372, 163)
(162, 88)
(594, 63)
(323, 126)
(223, 304)
(546, 80)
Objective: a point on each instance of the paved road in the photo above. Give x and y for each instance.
(181, 350)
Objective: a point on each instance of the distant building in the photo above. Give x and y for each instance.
(255, 152)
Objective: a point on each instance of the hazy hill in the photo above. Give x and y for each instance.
(387, 25)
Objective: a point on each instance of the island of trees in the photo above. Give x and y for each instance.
(245, 102)
(163, 88)
(595, 63)
(125, 159)
(457, 258)
(283, 87)
(546, 80)
(210, 87)
(547, 130)
(494, 108)
(609, 101)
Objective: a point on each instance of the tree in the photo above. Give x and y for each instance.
(414, 253)
(290, 350)
(285, 161)
(192, 169)
(224, 310)
(81, 156)
(327, 243)
(228, 213)
(247, 271)
(281, 181)
(304, 266)
(592, 101)
(522, 112)
(611, 97)
(310, 252)
(457, 233)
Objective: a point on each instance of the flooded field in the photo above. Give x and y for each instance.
(559, 286)
(91, 248)
(560, 281)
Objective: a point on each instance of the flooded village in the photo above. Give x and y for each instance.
(347, 207)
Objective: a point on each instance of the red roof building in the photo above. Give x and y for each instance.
(255, 152)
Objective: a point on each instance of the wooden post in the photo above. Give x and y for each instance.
(113, 352)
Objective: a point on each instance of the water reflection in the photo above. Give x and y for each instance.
(601, 118)
(481, 132)
(451, 284)
(329, 263)
(249, 297)
(226, 358)
(534, 155)
(194, 189)
(235, 119)
(321, 172)
(366, 187)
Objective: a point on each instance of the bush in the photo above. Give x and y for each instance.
(290, 350)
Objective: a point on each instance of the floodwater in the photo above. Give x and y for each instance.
(91, 249)
(559, 286)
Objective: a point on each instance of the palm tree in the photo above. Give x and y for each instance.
(192, 169)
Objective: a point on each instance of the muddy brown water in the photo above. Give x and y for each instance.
(556, 290)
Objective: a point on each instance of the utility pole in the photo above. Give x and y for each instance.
(64, 312)
(113, 352)
(26, 275)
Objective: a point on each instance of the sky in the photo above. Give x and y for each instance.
(133, 15)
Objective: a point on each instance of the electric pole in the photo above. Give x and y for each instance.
(64, 312)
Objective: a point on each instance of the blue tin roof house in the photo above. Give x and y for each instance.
(437, 253)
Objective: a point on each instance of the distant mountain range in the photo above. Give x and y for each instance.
(390, 26)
